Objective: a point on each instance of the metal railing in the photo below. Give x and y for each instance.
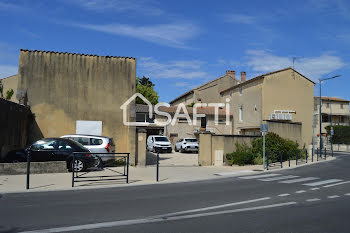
(114, 158)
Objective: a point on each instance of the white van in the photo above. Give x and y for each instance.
(158, 143)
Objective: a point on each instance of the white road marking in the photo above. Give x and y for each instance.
(258, 176)
(278, 178)
(232, 173)
(314, 188)
(334, 196)
(322, 182)
(152, 220)
(284, 195)
(313, 199)
(347, 194)
(331, 185)
(300, 191)
(298, 180)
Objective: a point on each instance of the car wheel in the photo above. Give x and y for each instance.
(182, 150)
(176, 150)
(78, 166)
(99, 164)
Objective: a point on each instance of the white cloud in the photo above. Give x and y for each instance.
(240, 18)
(101, 6)
(312, 67)
(182, 84)
(172, 35)
(174, 69)
(7, 70)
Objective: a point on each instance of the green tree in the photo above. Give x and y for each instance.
(9, 94)
(146, 88)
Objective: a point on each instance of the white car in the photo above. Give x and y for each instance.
(158, 143)
(95, 144)
(187, 144)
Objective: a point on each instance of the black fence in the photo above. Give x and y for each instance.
(276, 159)
(113, 160)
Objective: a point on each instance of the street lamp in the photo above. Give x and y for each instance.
(320, 111)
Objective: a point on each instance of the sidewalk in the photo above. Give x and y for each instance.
(138, 176)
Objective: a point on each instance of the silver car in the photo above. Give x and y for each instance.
(96, 144)
(187, 144)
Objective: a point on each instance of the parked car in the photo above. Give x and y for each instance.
(158, 143)
(187, 144)
(56, 149)
(96, 144)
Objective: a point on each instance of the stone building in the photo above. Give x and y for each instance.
(64, 88)
(10, 83)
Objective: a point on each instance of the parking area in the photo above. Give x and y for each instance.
(173, 159)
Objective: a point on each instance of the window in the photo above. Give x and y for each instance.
(327, 105)
(96, 141)
(191, 140)
(44, 145)
(63, 145)
(81, 140)
(144, 117)
(241, 113)
(341, 106)
(182, 120)
(161, 139)
(221, 121)
(203, 122)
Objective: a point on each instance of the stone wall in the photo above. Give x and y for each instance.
(288, 130)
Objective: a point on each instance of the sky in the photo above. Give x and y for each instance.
(182, 44)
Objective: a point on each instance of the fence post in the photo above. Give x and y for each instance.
(312, 154)
(325, 154)
(289, 157)
(306, 155)
(127, 169)
(267, 160)
(157, 166)
(296, 158)
(28, 169)
(317, 153)
(73, 169)
(281, 160)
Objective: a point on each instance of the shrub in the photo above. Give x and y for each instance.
(243, 155)
(341, 134)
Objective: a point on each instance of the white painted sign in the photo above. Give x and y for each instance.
(89, 127)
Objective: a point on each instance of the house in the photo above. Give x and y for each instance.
(283, 99)
(181, 127)
(335, 111)
(10, 83)
(69, 92)
(210, 91)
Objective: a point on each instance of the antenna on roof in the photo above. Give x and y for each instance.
(294, 59)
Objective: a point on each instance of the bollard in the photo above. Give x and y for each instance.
(296, 158)
(127, 168)
(28, 168)
(267, 161)
(289, 157)
(157, 166)
(317, 153)
(312, 155)
(306, 155)
(281, 160)
(73, 169)
(325, 154)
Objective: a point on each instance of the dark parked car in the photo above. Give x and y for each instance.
(56, 149)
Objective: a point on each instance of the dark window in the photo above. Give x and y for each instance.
(341, 106)
(140, 117)
(161, 139)
(82, 140)
(44, 145)
(191, 140)
(96, 141)
(63, 145)
(203, 122)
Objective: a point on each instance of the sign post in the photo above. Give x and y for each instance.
(264, 129)
(332, 133)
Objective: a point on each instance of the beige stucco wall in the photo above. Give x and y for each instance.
(288, 90)
(289, 130)
(10, 83)
(250, 99)
(63, 88)
(187, 99)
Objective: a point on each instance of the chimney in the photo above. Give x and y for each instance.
(231, 73)
(243, 76)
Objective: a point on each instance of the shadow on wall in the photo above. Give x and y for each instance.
(34, 132)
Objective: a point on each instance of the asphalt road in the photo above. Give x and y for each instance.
(313, 198)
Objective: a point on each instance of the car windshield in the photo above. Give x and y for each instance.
(191, 140)
(161, 139)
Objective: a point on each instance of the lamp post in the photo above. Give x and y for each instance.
(320, 110)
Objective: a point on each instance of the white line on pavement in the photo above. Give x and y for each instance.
(322, 182)
(258, 176)
(298, 180)
(284, 195)
(334, 196)
(347, 194)
(314, 188)
(300, 191)
(232, 173)
(152, 220)
(313, 199)
(330, 185)
(278, 178)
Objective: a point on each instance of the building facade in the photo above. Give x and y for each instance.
(64, 88)
(210, 91)
(10, 83)
(282, 98)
